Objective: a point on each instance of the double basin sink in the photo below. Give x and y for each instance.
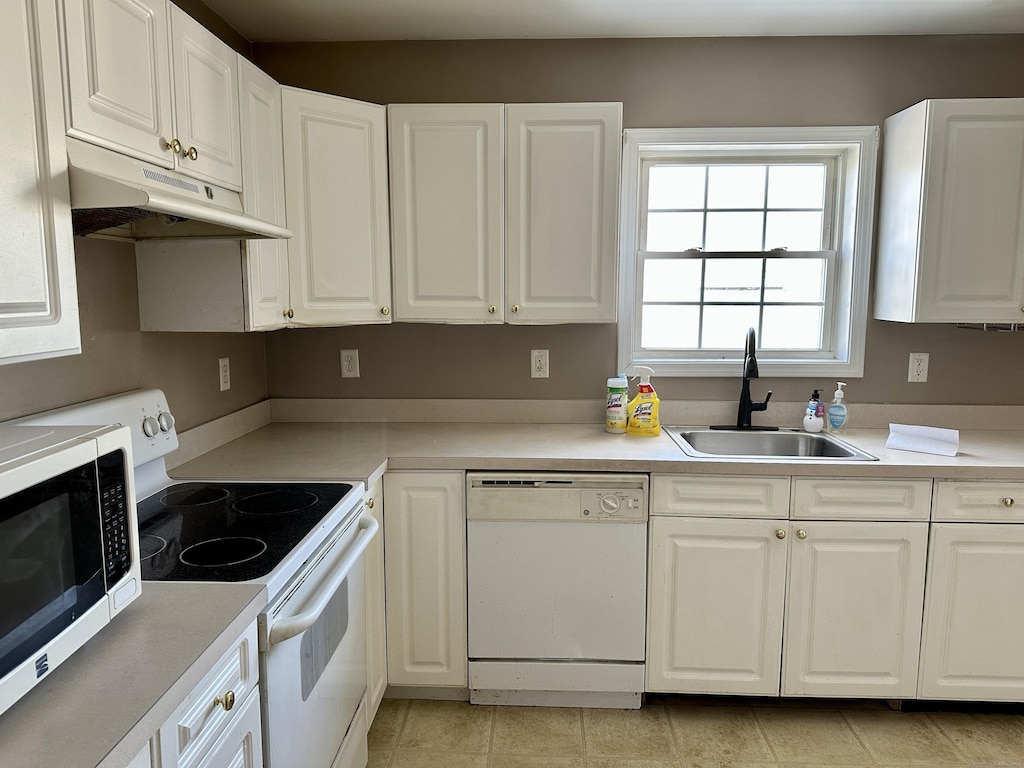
(781, 445)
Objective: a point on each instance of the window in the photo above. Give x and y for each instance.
(724, 230)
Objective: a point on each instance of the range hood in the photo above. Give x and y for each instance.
(118, 197)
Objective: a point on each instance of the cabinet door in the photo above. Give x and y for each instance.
(974, 616)
(205, 102)
(853, 616)
(119, 76)
(38, 296)
(447, 182)
(376, 628)
(336, 188)
(425, 578)
(562, 203)
(266, 261)
(241, 745)
(715, 605)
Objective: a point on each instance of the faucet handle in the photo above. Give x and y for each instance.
(763, 405)
(767, 398)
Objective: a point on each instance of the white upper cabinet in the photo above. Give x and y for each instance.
(951, 232)
(562, 202)
(447, 176)
(265, 264)
(146, 80)
(505, 213)
(38, 298)
(336, 184)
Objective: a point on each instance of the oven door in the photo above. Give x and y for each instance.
(313, 657)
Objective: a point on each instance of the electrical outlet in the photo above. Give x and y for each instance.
(350, 363)
(918, 367)
(224, 373)
(538, 363)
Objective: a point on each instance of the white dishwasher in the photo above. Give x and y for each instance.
(557, 569)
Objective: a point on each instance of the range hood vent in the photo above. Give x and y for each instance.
(118, 197)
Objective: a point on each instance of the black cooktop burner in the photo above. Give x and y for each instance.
(228, 531)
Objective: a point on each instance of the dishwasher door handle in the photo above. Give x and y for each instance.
(285, 629)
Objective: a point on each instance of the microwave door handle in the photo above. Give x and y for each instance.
(299, 623)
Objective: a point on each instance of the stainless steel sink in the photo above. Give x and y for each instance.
(785, 444)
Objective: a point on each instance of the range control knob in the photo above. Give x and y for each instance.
(150, 426)
(609, 504)
(166, 421)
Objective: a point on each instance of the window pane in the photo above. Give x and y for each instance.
(794, 280)
(793, 230)
(796, 186)
(791, 328)
(734, 232)
(674, 231)
(736, 186)
(672, 279)
(736, 281)
(675, 186)
(667, 327)
(726, 327)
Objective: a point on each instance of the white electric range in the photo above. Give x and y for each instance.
(302, 540)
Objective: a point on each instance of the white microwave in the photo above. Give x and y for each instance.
(69, 545)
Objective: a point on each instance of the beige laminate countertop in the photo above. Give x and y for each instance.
(362, 451)
(101, 706)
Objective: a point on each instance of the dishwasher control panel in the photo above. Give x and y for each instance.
(617, 505)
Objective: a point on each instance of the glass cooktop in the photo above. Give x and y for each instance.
(211, 531)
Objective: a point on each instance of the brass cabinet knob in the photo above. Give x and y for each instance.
(385, 310)
(515, 307)
(780, 534)
(492, 309)
(1008, 502)
(801, 534)
(174, 145)
(369, 502)
(191, 153)
(227, 701)
(289, 313)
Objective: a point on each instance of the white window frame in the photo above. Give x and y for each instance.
(856, 152)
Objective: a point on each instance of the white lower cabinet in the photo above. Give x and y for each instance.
(716, 592)
(853, 613)
(773, 606)
(425, 578)
(376, 627)
(241, 744)
(974, 615)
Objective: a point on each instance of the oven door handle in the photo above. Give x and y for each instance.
(300, 622)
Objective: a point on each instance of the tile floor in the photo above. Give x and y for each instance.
(697, 732)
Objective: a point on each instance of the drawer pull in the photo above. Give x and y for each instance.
(780, 534)
(227, 701)
(1008, 502)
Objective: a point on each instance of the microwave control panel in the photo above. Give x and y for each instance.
(114, 511)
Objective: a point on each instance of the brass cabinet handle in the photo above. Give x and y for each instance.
(780, 534)
(515, 307)
(369, 502)
(492, 309)
(1008, 502)
(174, 145)
(191, 153)
(227, 701)
(801, 534)
(289, 314)
(385, 310)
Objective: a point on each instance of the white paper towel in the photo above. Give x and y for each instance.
(908, 437)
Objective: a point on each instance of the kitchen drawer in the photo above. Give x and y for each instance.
(188, 734)
(719, 496)
(846, 499)
(979, 501)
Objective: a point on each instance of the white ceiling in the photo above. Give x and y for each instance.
(306, 20)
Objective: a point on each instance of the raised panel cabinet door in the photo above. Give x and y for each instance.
(447, 212)
(376, 627)
(119, 76)
(854, 606)
(562, 200)
(425, 578)
(262, 139)
(974, 615)
(241, 744)
(38, 294)
(205, 103)
(716, 593)
(339, 255)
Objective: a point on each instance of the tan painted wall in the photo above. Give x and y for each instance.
(697, 82)
(117, 357)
